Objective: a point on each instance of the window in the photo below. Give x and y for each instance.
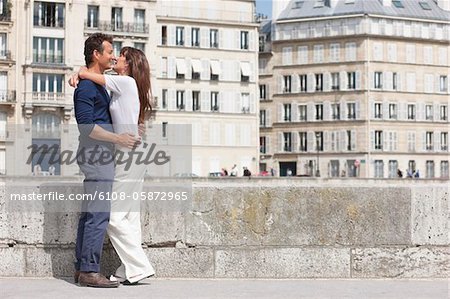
(378, 110)
(164, 35)
(46, 125)
(443, 83)
(287, 141)
(411, 139)
(116, 47)
(303, 83)
(303, 141)
(214, 101)
(397, 3)
(195, 37)
(444, 141)
(319, 82)
(164, 129)
(287, 84)
(393, 167)
(180, 100)
(302, 112)
(350, 51)
(379, 169)
(425, 5)
(378, 80)
(319, 111)
(48, 83)
(245, 102)
(164, 99)
(443, 112)
(444, 170)
(140, 46)
(195, 100)
(430, 169)
(48, 14)
(351, 110)
(394, 81)
(92, 16)
(116, 19)
(429, 112)
(335, 51)
(179, 36)
(262, 118)
(392, 111)
(318, 54)
(262, 91)
(262, 145)
(349, 140)
(164, 67)
(335, 111)
(262, 43)
(48, 50)
(139, 20)
(429, 141)
(351, 80)
(214, 38)
(287, 112)
(319, 141)
(335, 80)
(244, 40)
(378, 140)
(298, 4)
(411, 112)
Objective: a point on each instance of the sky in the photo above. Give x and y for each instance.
(264, 7)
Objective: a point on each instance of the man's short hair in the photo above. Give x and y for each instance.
(95, 42)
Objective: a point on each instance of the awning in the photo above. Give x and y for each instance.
(215, 67)
(245, 68)
(196, 65)
(181, 66)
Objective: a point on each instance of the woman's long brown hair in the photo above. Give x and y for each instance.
(139, 69)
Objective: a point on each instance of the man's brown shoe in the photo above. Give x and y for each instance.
(76, 276)
(95, 280)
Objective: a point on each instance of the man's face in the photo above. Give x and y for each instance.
(106, 58)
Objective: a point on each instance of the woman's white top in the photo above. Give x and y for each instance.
(125, 105)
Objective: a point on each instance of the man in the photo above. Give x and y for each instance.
(95, 158)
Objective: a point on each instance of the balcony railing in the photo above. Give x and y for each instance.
(118, 27)
(48, 97)
(5, 17)
(7, 96)
(57, 59)
(5, 55)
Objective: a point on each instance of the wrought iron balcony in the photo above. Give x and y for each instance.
(7, 96)
(57, 59)
(117, 27)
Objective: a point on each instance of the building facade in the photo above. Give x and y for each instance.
(207, 79)
(201, 57)
(356, 88)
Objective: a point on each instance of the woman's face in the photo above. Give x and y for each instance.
(121, 66)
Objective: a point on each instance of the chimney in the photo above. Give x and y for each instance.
(444, 4)
(387, 3)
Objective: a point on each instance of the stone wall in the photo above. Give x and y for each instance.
(259, 228)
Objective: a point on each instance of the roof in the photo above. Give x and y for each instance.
(412, 9)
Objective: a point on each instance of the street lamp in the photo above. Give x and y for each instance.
(317, 146)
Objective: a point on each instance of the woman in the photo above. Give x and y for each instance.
(130, 101)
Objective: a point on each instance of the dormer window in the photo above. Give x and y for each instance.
(425, 5)
(398, 3)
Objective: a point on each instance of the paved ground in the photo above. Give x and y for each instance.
(219, 288)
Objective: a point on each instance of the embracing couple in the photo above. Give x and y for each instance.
(109, 122)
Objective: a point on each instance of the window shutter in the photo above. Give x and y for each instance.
(311, 82)
(326, 141)
(420, 111)
(187, 40)
(253, 103)
(251, 40)
(353, 136)
(171, 101)
(436, 112)
(326, 110)
(357, 110)
(294, 141)
(385, 109)
(171, 67)
(311, 112)
(295, 83)
(385, 140)
(424, 141)
(388, 80)
(437, 141)
(343, 140)
(280, 142)
(343, 110)
(372, 139)
(403, 111)
(294, 111)
(372, 109)
(171, 31)
(206, 103)
(188, 74)
(280, 113)
(327, 81)
(358, 80)
(310, 142)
